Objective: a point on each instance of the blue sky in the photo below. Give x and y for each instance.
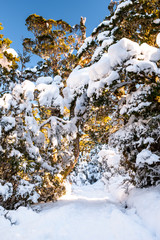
(14, 12)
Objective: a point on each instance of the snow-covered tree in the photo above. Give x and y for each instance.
(127, 79)
(44, 125)
(35, 153)
(56, 42)
(125, 82)
(39, 139)
(8, 64)
(137, 20)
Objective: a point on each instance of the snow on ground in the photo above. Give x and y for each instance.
(88, 213)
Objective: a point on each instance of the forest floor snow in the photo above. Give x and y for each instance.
(88, 213)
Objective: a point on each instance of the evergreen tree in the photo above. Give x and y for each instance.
(115, 100)
(24, 58)
(8, 64)
(56, 42)
(35, 153)
(137, 20)
(124, 80)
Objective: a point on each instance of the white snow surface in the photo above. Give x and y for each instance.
(46, 80)
(4, 61)
(9, 123)
(6, 190)
(122, 5)
(88, 212)
(135, 101)
(105, 23)
(87, 42)
(158, 40)
(146, 156)
(136, 57)
(12, 51)
(157, 21)
(110, 156)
